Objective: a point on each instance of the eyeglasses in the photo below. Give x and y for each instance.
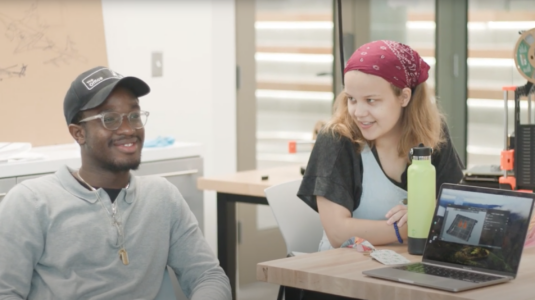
(112, 121)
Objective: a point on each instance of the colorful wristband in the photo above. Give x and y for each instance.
(400, 240)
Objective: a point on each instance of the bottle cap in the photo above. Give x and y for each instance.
(421, 150)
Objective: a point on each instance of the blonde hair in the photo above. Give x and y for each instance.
(421, 122)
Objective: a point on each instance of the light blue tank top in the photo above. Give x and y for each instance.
(379, 194)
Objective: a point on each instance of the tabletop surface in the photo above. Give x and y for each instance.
(250, 183)
(339, 272)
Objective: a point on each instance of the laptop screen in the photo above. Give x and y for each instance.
(479, 228)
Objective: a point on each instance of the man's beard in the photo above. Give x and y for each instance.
(111, 165)
(117, 167)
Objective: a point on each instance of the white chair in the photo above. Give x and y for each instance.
(299, 224)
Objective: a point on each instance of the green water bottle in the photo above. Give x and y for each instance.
(421, 185)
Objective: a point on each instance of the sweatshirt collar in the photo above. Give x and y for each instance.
(69, 182)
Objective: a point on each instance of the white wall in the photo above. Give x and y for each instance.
(195, 100)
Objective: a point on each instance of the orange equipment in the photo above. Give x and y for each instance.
(517, 161)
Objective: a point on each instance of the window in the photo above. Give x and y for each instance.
(493, 31)
(294, 61)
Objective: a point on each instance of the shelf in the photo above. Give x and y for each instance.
(473, 16)
(424, 52)
(488, 94)
(292, 86)
(476, 93)
(293, 17)
(299, 50)
(479, 16)
(472, 53)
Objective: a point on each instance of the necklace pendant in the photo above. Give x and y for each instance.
(123, 255)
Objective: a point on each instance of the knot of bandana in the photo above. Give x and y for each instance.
(395, 62)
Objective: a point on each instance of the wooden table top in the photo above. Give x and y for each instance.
(249, 183)
(339, 272)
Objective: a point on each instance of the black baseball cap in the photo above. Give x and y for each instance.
(91, 88)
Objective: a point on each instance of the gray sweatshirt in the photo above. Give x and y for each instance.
(57, 241)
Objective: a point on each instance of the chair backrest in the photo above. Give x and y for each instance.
(300, 225)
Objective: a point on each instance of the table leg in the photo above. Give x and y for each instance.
(226, 238)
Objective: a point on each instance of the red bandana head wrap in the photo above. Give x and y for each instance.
(395, 62)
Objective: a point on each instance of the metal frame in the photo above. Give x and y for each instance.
(451, 53)
(227, 232)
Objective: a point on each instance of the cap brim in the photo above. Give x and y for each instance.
(137, 86)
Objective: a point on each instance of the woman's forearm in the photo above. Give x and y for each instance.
(376, 232)
(339, 225)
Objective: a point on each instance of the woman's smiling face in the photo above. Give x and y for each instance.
(373, 105)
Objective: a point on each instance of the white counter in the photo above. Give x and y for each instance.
(69, 154)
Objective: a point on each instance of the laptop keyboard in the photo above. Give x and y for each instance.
(448, 273)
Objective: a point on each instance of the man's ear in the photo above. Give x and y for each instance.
(78, 133)
(405, 97)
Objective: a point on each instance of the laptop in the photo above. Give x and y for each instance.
(476, 239)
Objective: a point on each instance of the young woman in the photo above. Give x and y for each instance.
(356, 177)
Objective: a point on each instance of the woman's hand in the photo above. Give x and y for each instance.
(397, 214)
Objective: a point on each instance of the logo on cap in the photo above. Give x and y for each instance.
(99, 76)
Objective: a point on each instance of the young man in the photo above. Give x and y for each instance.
(98, 232)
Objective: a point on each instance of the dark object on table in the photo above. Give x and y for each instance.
(484, 176)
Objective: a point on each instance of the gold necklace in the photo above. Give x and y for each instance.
(123, 255)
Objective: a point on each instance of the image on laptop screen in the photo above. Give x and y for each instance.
(479, 230)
